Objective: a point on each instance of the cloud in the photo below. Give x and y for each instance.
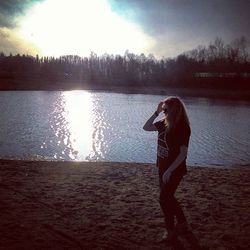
(10, 42)
(179, 25)
(175, 25)
(183, 14)
(10, 10)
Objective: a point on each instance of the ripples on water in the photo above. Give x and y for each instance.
(81, 125)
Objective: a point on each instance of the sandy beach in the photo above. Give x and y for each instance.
(66, 205)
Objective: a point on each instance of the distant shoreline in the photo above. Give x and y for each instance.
(38, 85)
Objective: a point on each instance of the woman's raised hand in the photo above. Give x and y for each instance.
(159, 108)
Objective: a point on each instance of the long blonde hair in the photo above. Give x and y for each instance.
(176, 112)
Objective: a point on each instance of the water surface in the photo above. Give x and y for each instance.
(95, 126)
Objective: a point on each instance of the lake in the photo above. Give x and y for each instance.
(98, 126)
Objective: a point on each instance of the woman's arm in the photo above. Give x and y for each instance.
(179, 159)
(149, 126)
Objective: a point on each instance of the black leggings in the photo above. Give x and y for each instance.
(169, 205)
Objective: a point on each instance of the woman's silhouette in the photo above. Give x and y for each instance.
(173, 139)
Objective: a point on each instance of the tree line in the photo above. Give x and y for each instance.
(217, 65)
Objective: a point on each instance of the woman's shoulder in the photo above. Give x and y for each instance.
(160, 125)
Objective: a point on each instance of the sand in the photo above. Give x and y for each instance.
(66, 205)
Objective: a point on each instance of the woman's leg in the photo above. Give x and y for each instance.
(178, 212)
(170, 206)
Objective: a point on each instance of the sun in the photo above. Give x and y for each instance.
(60, 27)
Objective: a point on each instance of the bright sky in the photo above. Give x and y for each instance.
(161, 27)
(60, 27)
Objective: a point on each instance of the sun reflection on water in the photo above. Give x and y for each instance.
(79, 111)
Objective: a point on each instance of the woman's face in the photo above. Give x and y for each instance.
(165, 109)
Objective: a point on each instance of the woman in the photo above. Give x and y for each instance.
(173, 139)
